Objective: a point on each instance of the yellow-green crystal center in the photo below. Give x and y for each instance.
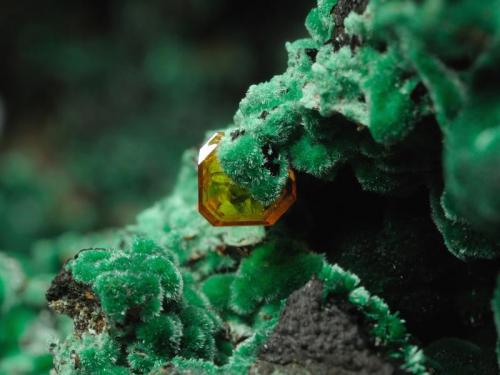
(223, 202)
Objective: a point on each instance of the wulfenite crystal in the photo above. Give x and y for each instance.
(223, 202)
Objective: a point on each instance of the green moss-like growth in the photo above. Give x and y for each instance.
(210, 320)
(143, 295)
(270, 274)
(89, 354)
(378, 79)
(389, 118)
(142, 278)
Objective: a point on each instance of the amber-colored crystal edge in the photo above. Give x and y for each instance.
(286, 198)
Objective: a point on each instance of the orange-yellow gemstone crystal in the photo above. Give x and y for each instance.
(223, 202)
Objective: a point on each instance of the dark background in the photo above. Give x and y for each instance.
(100, 98)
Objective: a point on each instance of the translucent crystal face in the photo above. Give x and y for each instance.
(223, 202)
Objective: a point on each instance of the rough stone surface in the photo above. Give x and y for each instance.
(313, 338)
(340, 11)
(67, 296)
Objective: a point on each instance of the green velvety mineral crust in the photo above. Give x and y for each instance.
(387, 113)
(172, 296)
(355, 101)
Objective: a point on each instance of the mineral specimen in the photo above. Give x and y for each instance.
(387, 114)
(361, 113)
(223, 202)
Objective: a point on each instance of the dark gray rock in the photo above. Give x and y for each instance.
(316, 338)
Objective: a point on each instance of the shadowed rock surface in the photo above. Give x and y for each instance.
(340, 11)
(67, 296)
(316, 338)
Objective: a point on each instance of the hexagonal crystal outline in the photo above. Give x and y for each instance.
(269, 216)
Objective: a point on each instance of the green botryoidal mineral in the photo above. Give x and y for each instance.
(143, 277)
(389, 119)
(139, 314)
(367, 96)
(362, 113)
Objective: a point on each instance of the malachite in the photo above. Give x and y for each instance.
(223, 202)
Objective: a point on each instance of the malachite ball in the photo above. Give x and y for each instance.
(223, 202)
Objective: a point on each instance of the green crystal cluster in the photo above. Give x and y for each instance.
(169, 295)
(387, 112)
(378, 95)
